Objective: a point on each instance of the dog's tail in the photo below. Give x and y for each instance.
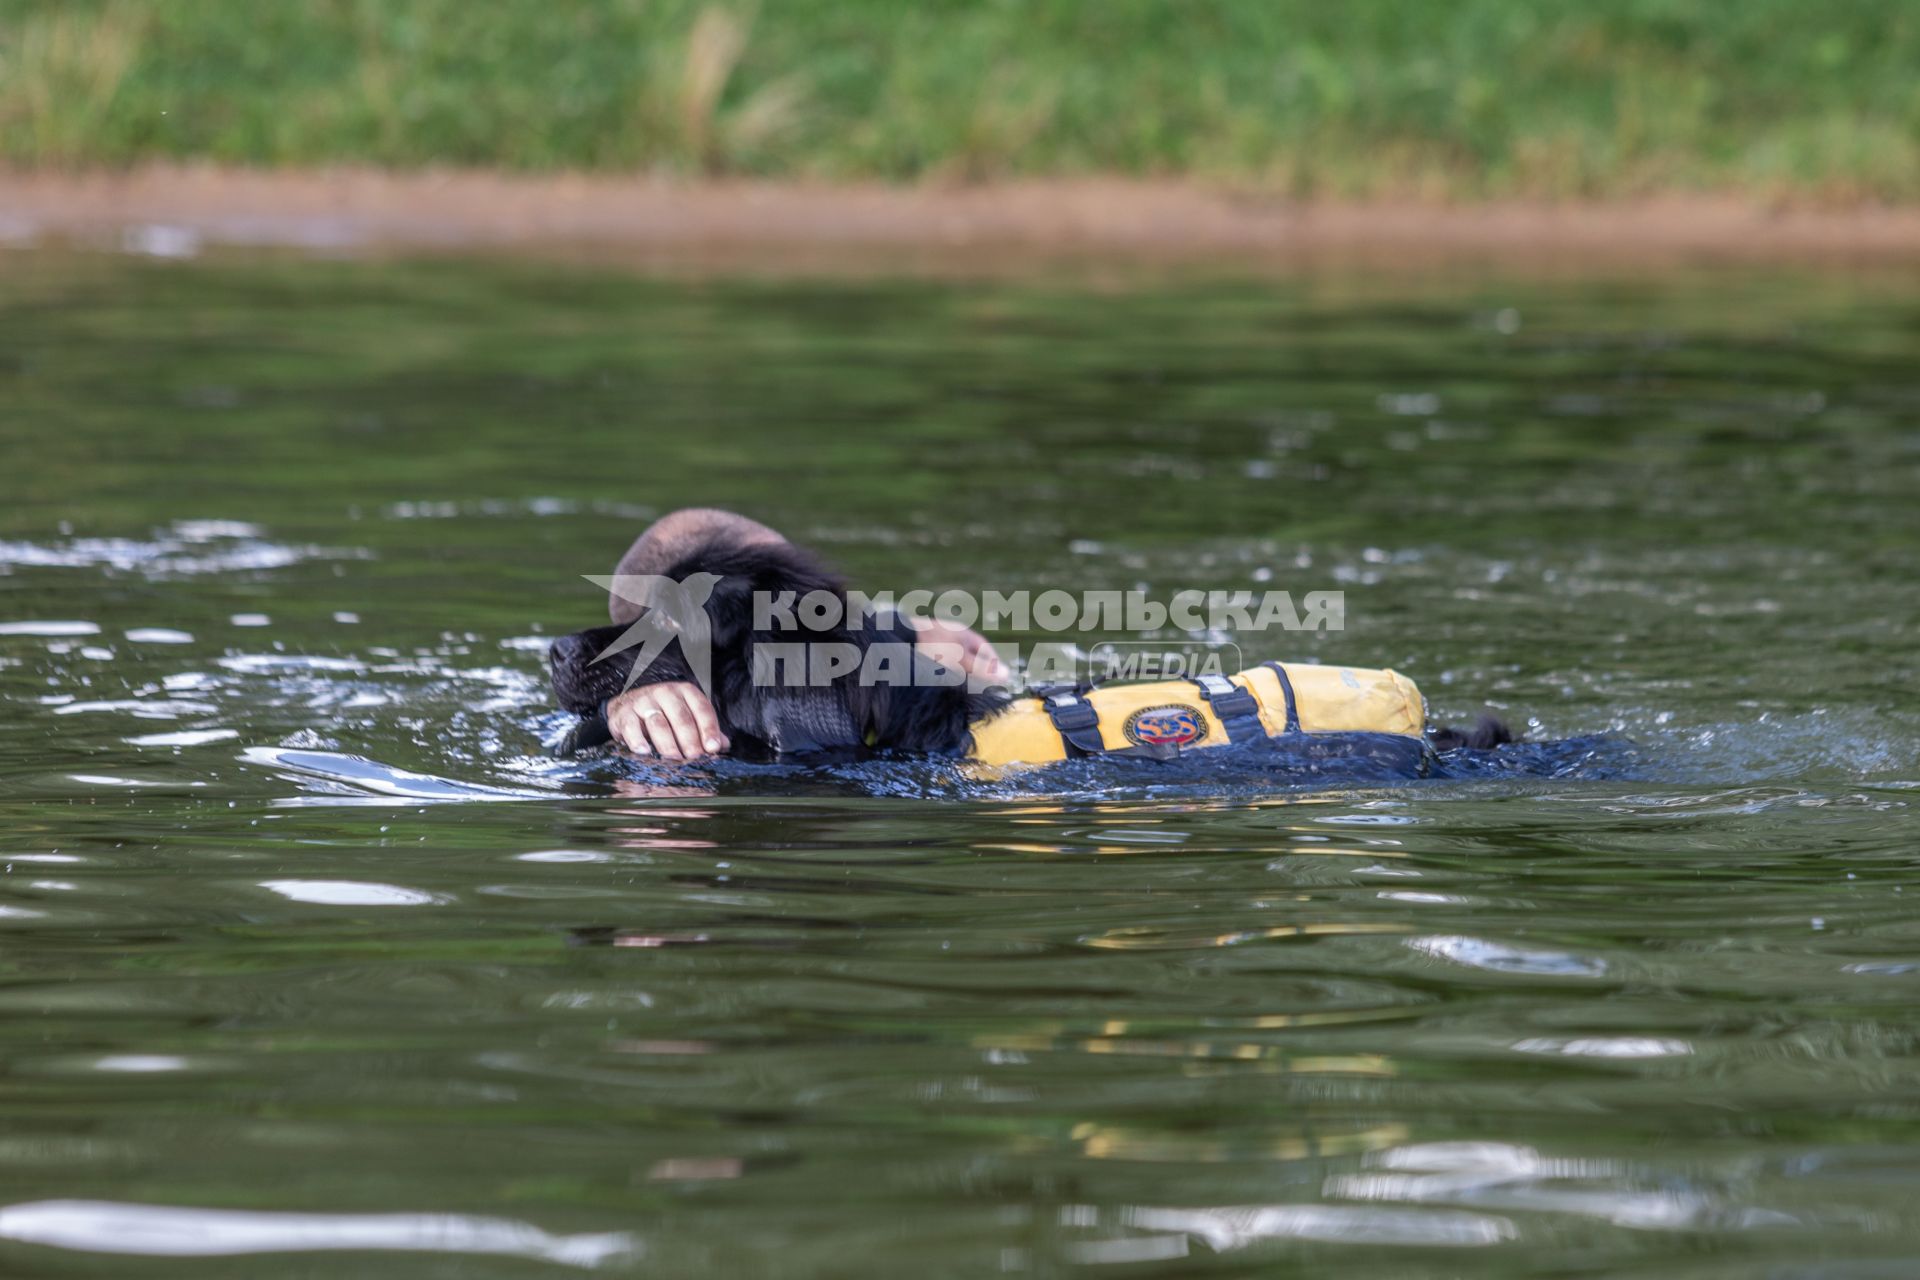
(1485, 736)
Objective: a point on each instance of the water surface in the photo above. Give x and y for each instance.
(309, 946)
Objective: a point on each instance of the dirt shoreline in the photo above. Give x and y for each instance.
(178, 210)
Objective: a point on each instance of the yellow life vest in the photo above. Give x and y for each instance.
(1165, 717)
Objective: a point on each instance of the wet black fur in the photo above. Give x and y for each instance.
(763, 720)
(1485, 736)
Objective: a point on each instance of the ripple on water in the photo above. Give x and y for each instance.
(50, 628)
(352, 893)
(1497, 1175)
(140, 708)
(181, 1231)
(346, 779)
(1233, 1227)
(187, 548)
(183, 738)
(1500, 957)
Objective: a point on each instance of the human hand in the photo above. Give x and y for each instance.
(674, 721)
(977, 656)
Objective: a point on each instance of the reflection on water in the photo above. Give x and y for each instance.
(311, 946)
(166, 1231)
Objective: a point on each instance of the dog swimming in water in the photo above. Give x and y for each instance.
(706, 682)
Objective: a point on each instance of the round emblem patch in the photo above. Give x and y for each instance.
(1173, 725)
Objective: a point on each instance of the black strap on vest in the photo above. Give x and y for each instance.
(1077, 722)
(1078, 725)
(1286, 688)
(1237, 709)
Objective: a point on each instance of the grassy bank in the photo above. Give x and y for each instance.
(1372, 98)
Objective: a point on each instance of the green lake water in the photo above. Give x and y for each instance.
(306, 945)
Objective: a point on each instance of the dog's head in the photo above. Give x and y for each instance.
(829, 706)
(585, 671)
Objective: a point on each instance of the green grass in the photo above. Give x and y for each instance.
(1364, 97)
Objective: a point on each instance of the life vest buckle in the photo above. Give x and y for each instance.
(1070, 712)
(1077, 722)
(1228, 700)
(1237, 709)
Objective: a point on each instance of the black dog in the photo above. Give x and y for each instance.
(1491, 732)
(766, 718)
